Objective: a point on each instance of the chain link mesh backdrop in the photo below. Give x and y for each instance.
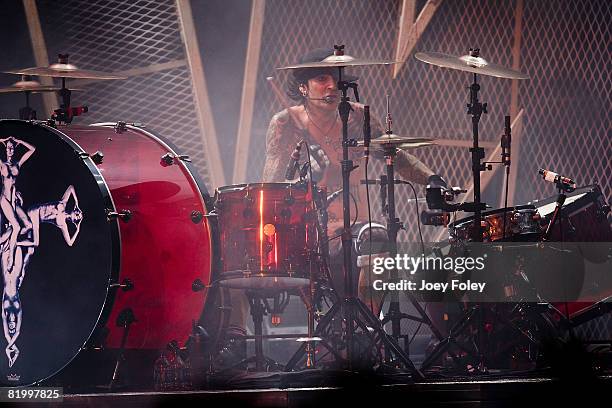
(564, 48)
(116, 36)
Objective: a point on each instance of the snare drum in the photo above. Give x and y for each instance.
(522, 224)
(267, 234)
(112, 228)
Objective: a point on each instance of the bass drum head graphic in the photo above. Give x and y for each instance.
(57, 267)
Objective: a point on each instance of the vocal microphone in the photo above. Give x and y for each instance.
(327, 99)
(506, 142)
(367, 131)
(564, 183)
(294, 162)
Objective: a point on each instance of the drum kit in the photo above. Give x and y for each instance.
(145, 256)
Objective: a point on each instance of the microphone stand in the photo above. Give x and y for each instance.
(27, 113)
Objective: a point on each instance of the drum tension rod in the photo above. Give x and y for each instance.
(125, 285)
(125, 215)
(121, 126)
(169, 159)
(97, 157)
(197, 285)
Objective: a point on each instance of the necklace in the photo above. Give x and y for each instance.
(324, 133)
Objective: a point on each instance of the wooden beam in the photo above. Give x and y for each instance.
(249, 86)
(203, 112)
(149, 69)
(516, 56)
(514, 100)
(409, 33)
(495, 155)
(406, 20)
(40, 52)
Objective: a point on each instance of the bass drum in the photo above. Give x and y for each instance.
(101, 225)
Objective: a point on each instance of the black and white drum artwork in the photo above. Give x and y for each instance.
(49, 295)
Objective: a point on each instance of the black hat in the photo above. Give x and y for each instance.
(318, 55)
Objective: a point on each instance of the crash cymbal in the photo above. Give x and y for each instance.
(339, 61)
(400, 142)
(469, 63)
(62, 69)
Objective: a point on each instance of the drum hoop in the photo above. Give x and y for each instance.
(267, 185)
(463, 221)
(114, 228)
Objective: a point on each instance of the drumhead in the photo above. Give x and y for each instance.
(58, 268)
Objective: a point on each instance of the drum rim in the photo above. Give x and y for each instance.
(109, 204)
(460, 222)
(283, 185)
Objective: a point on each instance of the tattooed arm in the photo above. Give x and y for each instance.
(280, 141)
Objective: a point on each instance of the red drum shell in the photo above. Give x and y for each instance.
(165, 246)
(522, 224)
(266, 233)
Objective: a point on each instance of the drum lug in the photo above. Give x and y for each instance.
(120, 127)
(125, 285)
(196, 216)
(169, 159)
(97, 157)
(198, 285)
(125, 215)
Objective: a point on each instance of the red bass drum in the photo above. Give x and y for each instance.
(111, 227)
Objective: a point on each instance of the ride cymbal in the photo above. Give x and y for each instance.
(469, 63)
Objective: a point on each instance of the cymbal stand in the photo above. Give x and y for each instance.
(476, 311)
(66, 112)
(355, 314)
(394, 314)
(27, 113)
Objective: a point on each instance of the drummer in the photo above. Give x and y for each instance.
(314, 118)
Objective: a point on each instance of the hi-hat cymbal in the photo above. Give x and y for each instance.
(399, 142)
(338, 61)
(62, 69)
(28, 85)
(469, 63)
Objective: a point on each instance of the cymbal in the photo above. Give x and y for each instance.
(400, 142)
(65, 70)
(27, 85)
(477, 65)
(339, 61)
